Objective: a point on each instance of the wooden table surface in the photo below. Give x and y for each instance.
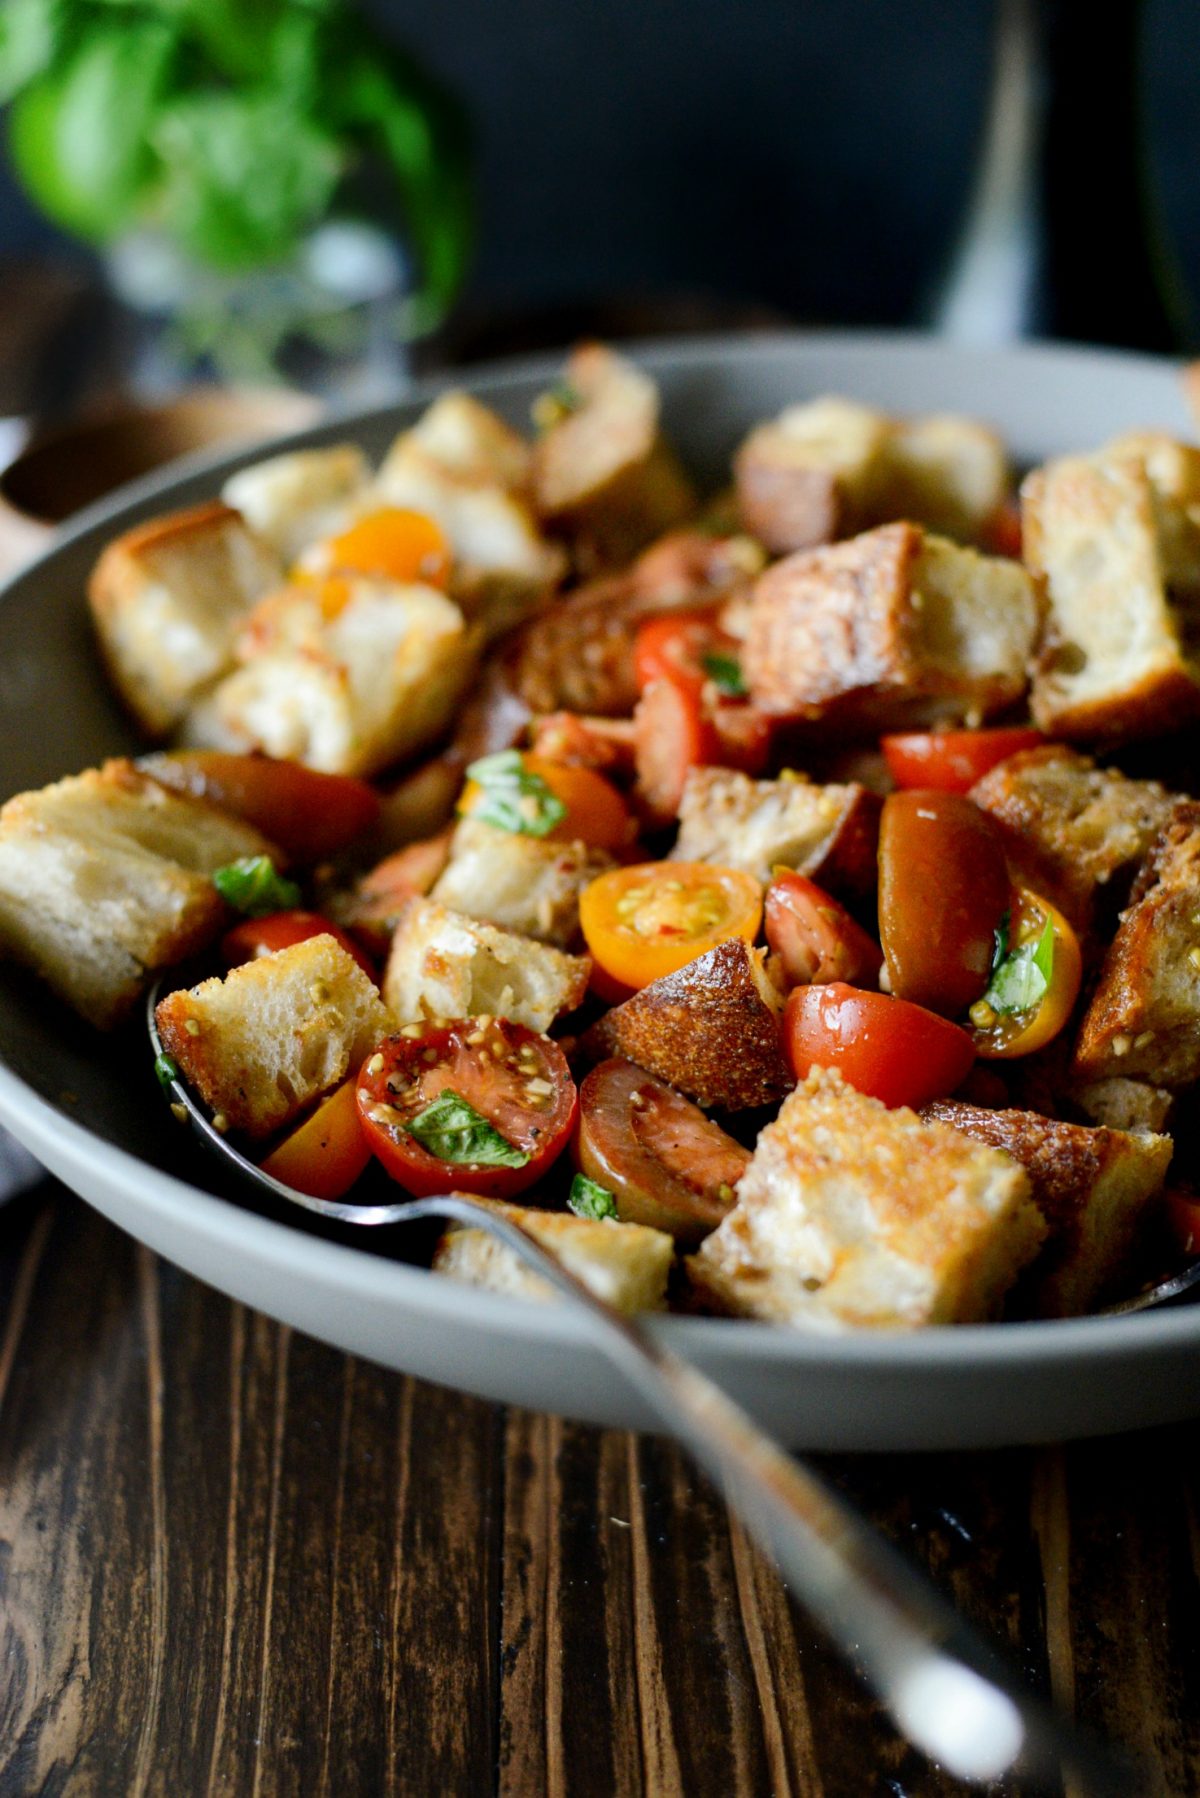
(235, 1561)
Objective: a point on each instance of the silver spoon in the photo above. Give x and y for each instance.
(946, 1690)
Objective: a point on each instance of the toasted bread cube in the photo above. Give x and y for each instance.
(167, 599)
(1070, 827)
(852, 1215)
(624, 1264)
(520, 883)
(712, 1029)
(830, 833)
(1120, 560)
(603, 473)
(348, 689)
(446, 965)
(812, 474)
(1121, 1104)
(947, 473)
(106, 877)
(1092, 1186)
(891, 629)
(295, 499)
(1143, 1022)
(261, 1044)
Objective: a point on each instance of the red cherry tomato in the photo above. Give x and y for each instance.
(671, 735)
(515, 1079)
(894, 1051)
(310, 816)
(953, 760)
(674, 647)
(1002, 534)
(279, 930)
(1183, 1219)
(325, 1154)
(814, 937)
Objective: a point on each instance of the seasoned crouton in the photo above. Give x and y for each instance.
(851, 1215)
(602, 472)
(294, 500)
(345, 677)
(1124, 1104)
(445, 965)
(1119, 557)
(275, 1033)
(811, 474)
(167, 599)
(890, 629)
(624, 1264)
(1091, 1185)
(469, 441)
(520, 883)
(1143, 1022)
(947, 473)
(829, 833)
(1070, 827)
(711, 1029)
(106, 877)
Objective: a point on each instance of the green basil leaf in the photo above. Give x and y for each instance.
(166, 1071)
(251, 885)
(454, 1131)
(588, 1198)
(1020, 976)
(512, 797)
(31, 34)
(725, 672)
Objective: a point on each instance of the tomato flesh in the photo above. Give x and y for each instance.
(893, 1050)
(665, 1163)
(943, 889)
(280, 930)
(953, 760)
(327, 1153)
(648, 920)
(309, 816)
(513, 1077)
(816, 939)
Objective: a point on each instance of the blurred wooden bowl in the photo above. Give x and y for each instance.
(64, 469)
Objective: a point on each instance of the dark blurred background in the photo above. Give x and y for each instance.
(810, 156)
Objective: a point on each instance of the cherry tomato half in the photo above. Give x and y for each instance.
(393, 544)
(814, 937)
(953, 760)
(1183, 1219)
(596, 812)
(671, 734)
(665, 1163)
(943, 889)
(310, 816)
(645, 921)
(279, 930)
(325, 1154)
(513, 1078)
(676, 646)
(894, 1051)
(1002, 1037)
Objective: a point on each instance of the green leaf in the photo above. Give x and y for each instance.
(31, 33)
(166, 1071)
(512, 797)
(80, 135)
(588, 1198)
(1021, 976)
(454, 1131)
(251, 885)
(246, 175)
(725, 672)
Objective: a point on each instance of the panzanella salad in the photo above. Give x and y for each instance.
(785, 901)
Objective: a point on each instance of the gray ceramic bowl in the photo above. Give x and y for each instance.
(90, 1109)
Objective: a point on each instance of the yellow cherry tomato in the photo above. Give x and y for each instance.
(596, 812)
(646, 921)
(325, 1154)
(1002, 1035)
(395, 545)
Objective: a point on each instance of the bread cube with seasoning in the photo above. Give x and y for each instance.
(1114, 538)
(167, 599)
(347, 675)
(296, 499)
(527, 885)
(894, 628)
(106, 878)
(261, 1044)
(830, 833)
(1143, 1020)
(854, 1216)
(624, 1264)
(443, 964)
(1092, 1186)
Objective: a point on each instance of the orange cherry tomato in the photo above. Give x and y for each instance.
(309, 816)
(943, 889)
(596, 812)
(279, 930)
(816, 939)
(393, 544)
(645, 921)
(1003, 1036)
(953, 760)
(894, 1051)
(325, 1154)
